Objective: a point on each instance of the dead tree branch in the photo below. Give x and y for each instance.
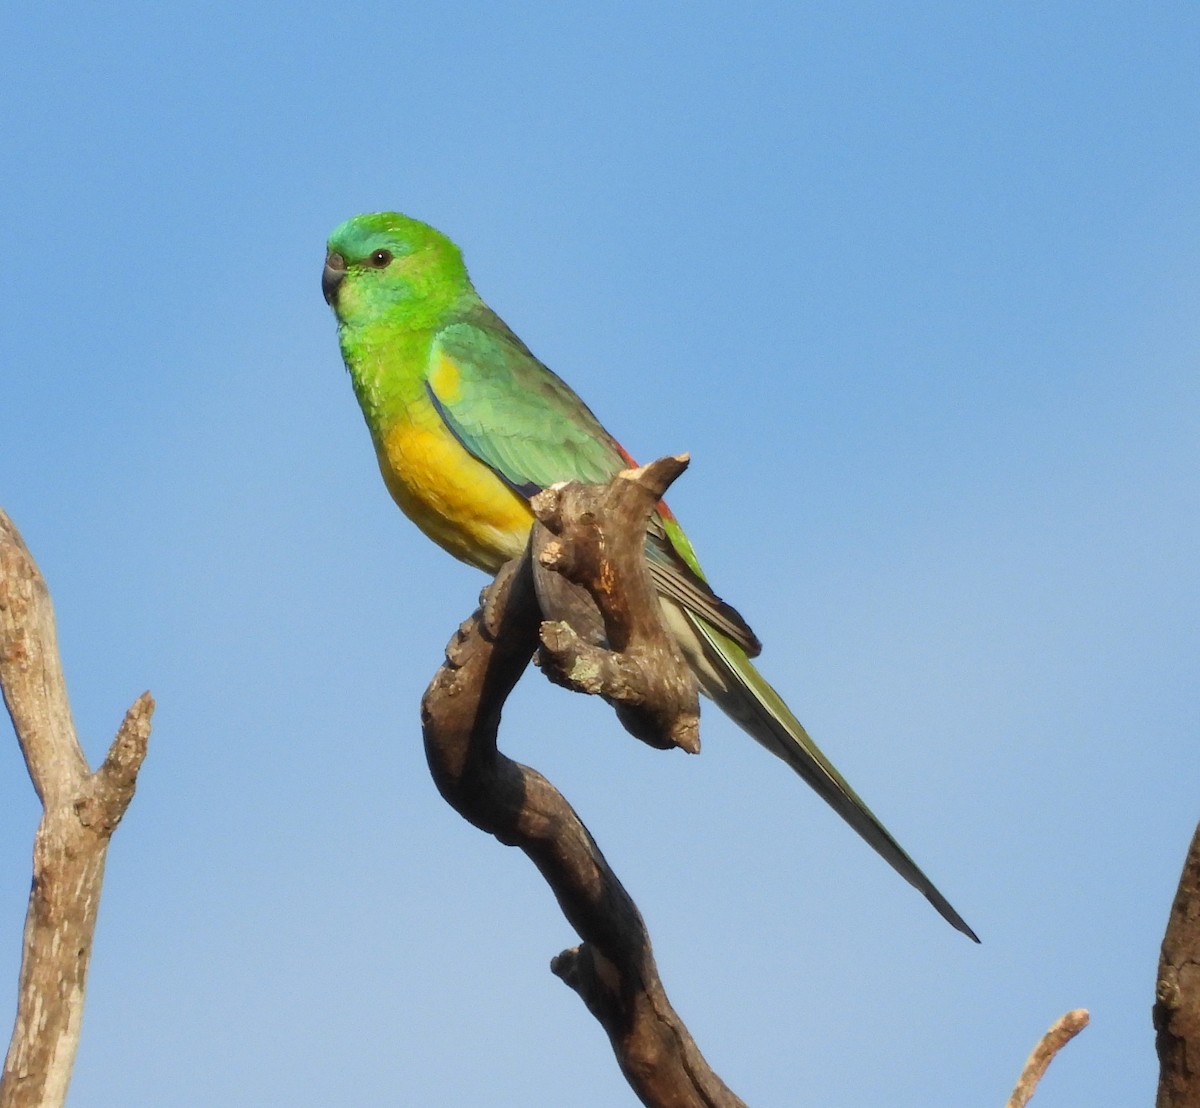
(1064, 1029)
(1177, 995)
(81, 810)
(596, 538)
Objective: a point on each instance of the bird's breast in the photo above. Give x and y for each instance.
(451, 495)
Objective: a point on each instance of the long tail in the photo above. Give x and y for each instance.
(731, 680)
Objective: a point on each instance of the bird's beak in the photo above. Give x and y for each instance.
(332, 277)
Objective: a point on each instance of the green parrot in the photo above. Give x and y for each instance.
(468, 425)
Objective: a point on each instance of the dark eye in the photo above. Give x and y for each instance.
(381, 259)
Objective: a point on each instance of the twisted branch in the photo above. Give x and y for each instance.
(595, 535)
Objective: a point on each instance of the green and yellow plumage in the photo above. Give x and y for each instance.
(467, 425)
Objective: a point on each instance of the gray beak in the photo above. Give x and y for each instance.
(332, 277)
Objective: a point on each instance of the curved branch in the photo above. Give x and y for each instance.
(613, 970)
(81, 809)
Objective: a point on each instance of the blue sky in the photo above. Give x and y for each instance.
(916, 287)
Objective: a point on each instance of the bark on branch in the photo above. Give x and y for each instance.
(81, 810)
(1177, 996)
(593, 537)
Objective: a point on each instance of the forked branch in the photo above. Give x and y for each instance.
(81, 810)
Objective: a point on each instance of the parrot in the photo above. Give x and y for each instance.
(468, 425)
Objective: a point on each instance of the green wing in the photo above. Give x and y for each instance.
(515, 415)
(527, 425)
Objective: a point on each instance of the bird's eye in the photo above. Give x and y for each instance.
(381, 259)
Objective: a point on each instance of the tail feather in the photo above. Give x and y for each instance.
(743, 693)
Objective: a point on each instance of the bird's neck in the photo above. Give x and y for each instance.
(388, 355)
(387, 363)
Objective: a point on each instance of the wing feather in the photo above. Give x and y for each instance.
(527, 425)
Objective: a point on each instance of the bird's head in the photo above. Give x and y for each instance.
(385, 265)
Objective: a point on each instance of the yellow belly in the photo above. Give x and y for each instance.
(452, 496)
